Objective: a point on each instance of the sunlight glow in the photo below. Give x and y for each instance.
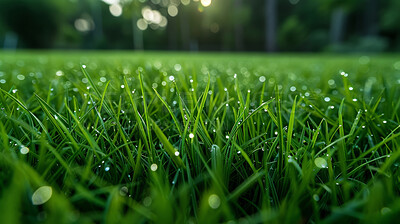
(172, 10)
(116, 10)
(142, 24)
(82, 25)
(111, 2)
(185, 2)
(206, 3)
(152, 18)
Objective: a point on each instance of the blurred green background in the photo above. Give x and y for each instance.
(202, 25)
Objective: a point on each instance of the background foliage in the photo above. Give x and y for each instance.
(297, 25)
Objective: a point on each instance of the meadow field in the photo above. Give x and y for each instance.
(161, 137)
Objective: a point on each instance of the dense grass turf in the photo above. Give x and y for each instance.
(202, 138)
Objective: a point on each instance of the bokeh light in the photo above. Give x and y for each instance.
(116, 10)
(83, 25)
(185, 2)
(206, 3)
(172, 10)
(142, 24)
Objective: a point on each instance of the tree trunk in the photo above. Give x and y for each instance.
(98, 20)
(271, 19)
(371, 18)
(238, 27)
(338, 23)
(185, 30)
(137, 34)
(172, 34)
(10, 41)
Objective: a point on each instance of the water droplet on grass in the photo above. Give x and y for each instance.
(20, 77)
(191, 135)
(177, 67)
(123, 191)
(214, 147)
(321, 163)
(59, 73)
(153, 167)
(24, 150)
(147, 201)
(385, 210)
(214, 201)
(42, 195)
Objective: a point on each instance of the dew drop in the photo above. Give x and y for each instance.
(214, 201)
(24, 150)
(123, 191)
(59, 73)
(20, 77)
(385, 210)
(147, 201)
(321, 163)
(42, 195)
(153, 167)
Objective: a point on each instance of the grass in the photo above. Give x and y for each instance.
(114, 137)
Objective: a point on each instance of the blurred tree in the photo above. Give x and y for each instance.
(36, 23)
(292, 34)
(287, 25)
(389, 22)
(339, 10)
(271, 15)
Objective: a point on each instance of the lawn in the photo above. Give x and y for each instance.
(121, 137)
